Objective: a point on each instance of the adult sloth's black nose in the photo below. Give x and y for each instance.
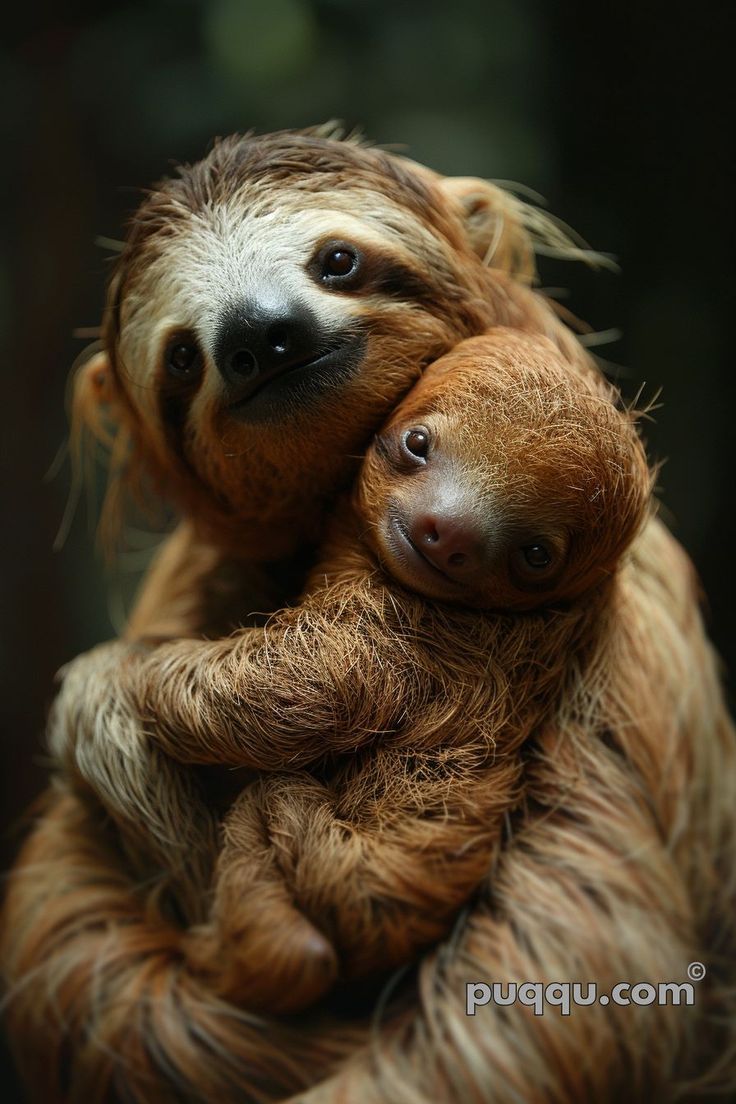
(253, 344)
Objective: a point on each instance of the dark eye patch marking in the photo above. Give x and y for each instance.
(400, 280)
(176, 392)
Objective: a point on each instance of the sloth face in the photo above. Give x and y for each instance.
(502, 481)
(270, 308)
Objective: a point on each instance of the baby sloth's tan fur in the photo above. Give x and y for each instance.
(618, 864)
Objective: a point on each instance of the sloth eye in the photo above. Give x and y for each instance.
(340, 262)
(537, 561)
(183, 360)
(416, 442)
(337, 265)
(537, 555)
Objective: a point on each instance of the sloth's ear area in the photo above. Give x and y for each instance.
(494, 223)
(94, 400)
(97, 375)
(97, 419)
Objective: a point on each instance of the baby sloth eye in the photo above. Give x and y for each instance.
(536, 561)
(182, 359)
(416, 442)
(537, 555)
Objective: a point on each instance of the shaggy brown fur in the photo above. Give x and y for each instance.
(382, 851)
(619, 865)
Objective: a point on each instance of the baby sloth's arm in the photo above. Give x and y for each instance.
(328, 676)
(379, 861)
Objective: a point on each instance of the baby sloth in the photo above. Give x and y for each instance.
(487, 520)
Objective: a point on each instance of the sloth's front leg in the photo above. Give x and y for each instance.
(100, 744)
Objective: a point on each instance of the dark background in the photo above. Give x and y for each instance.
(617, 114)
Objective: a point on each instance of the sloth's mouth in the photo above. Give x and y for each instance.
(284, 391)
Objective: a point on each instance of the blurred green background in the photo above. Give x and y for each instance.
(617, 114)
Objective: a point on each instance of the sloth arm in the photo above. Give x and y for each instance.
(327, 676)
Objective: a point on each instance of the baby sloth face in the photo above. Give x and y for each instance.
(502, 481)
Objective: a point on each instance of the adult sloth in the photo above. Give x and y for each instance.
(270, 307)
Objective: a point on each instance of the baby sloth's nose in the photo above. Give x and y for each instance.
(450, 542)
(254, 344)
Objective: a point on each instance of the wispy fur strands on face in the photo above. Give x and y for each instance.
(255, 210)
(430, 703)
(620, 865)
